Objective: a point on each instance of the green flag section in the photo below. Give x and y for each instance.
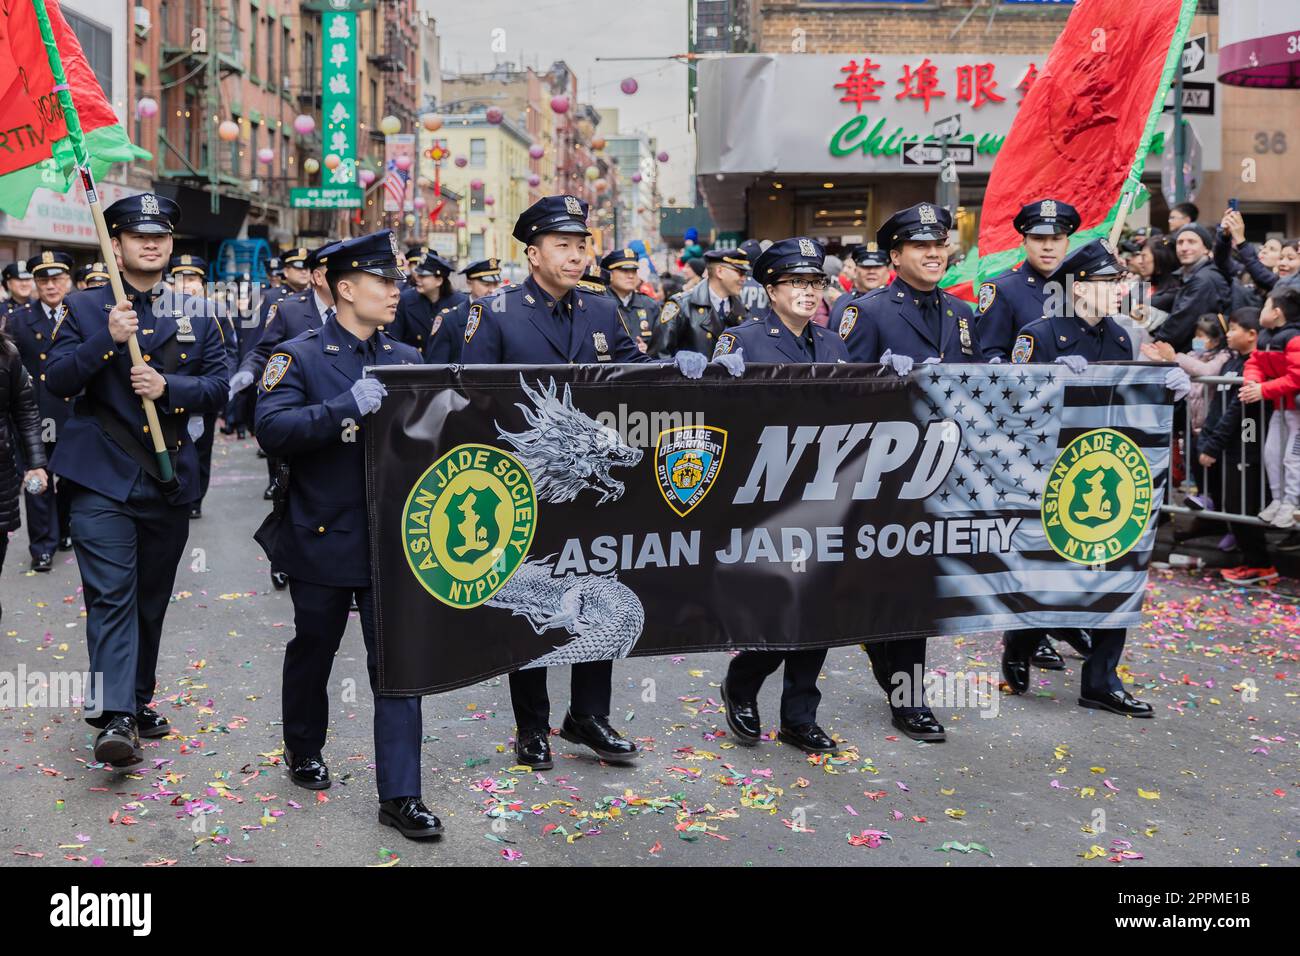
(1084, 129)
(35, 148)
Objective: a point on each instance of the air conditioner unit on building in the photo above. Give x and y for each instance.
(143, 22)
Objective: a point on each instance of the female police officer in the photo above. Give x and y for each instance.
(792, 273)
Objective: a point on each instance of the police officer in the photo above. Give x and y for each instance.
(911, 320)
(129, 527)
(752, 294)
(414, 256)
(311, 402)
(639, 312)
(188, 275)
(1087, 332)
(19, 285)
(1014, 299)
(483, 278)
(871, 273)
(792, 274)
(545, 320)
(423, 308)
(32, 328)
(91, 275)
(694, 320)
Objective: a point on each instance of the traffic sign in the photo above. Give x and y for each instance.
(1195, 51)
(1198, 98)
(949, 127)
(931, 154)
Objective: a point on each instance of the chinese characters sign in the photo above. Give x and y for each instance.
(339, 98)
(975, 83)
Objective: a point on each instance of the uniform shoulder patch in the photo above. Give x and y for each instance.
(475, 317)
(726, 342)
(988, 292)
(270, 313)
(670, 310)
(276, 366)
(437, 323)
(848, 319)
(1023, 350)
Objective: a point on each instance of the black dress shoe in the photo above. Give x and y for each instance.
(533, 749)
(1045, 657)
(152, 724)
(1119, 702)
(596, 733)
(196, 511)
(742, 718)
(65, 543)
(1015, 670)
(809, 738)
(279, 580)
(269, 493)
(410, 817)
(227, 429)
(119, 742)
(1080, 641)
(43, 562)
(919, 724)
(310, 773)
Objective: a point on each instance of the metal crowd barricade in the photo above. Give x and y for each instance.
(1195, 474)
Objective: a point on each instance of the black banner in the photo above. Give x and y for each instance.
(545, 516)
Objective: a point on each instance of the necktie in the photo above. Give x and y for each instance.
(726, 308)
(329, 313)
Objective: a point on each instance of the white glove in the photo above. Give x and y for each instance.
(690, 364)
(932, 360)
(1075, 363)
(996, 360)
(1176, 381)
(369, 393)
(195, 427)
(901, 364)
(733, 362)
(240, 381)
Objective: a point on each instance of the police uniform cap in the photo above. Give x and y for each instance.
(1092, 260)
(431, 264)
(869, 255)
(146, 213)
(316, 258)
(751, 248)
(375, 253)
(620, 259)
(1046, 217)
(187, 265)
(924, 222)
(416, 253)
(485, 270)
(297, 256)
(92, 270)
(17, 270)
(50, 263)
(736, 258)
(552, 214)
(797, 256)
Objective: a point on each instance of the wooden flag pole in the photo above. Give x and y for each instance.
(1117, 227)
(101, 228)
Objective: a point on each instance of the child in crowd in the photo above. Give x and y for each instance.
(1272, 373)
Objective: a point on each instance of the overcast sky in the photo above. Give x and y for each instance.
(538, 32)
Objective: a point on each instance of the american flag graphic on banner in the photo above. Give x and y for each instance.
(395, 181)
(1065, 470)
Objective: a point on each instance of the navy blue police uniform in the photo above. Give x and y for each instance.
(689, 321)
(525, 325)
(752, 294)
(419, 319)
(13, 270)
(640, 313)
(902, 320)
(869, 255)
(769, 339)
(1012, 300)
(447, 342)
(129, 528)
(1046, 340)
(289, 318)
(32, 328)
(308, 415)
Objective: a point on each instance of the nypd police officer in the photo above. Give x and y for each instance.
(793, 278)
(129, 526)
(311, 403)
(482, 278)
(423, 308)
(871, 273)
(90, 275)
(639, 312)
(694, 320)
(910, 320)
(546, 320)
(1086, 332)
(32, 328)
(18, 283)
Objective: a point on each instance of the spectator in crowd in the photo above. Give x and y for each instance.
(1256, 268)
(1183, 214)
(20, 431)
(1156, 265)
(1204, 288)
(1272, 373)
(1208, 355)
(833, 266)
(694, 272)
(1232, 463)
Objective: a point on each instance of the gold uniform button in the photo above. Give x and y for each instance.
(183, 355)
(320, 530)
(146, 358)
(42, 374)
(42, 356)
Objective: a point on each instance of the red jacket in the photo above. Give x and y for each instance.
(1276, 366)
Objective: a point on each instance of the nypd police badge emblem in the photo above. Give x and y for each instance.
(437, 324)
(687, 462)
(1047, 209)
(572, 206)
(726, 342)
(988, 292)
(602, 346)
(806, 248)
(475, 317)
(670, 310)
(149, 204)
(928, 218)
(848, 320)
(276, 366)
(1023, 350)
